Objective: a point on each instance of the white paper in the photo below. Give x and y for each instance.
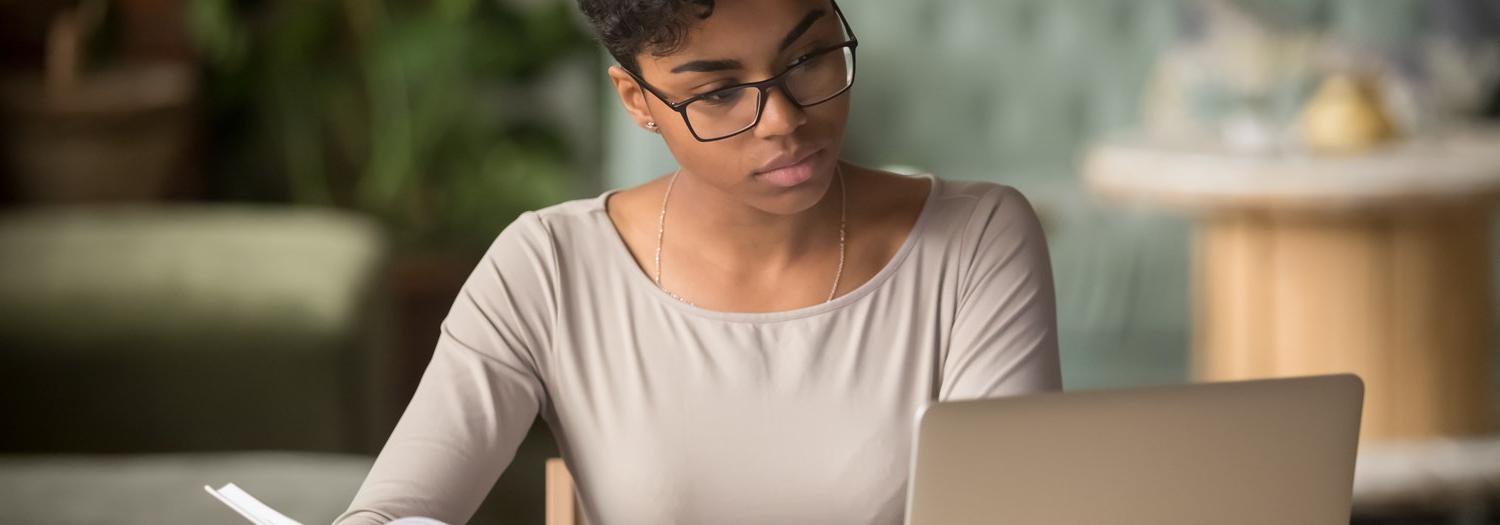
(249, 507)
(261, 514)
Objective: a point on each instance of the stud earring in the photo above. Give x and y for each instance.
(651, 126)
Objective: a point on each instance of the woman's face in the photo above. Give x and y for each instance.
(748, 41)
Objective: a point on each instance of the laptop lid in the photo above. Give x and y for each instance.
(1254, 452)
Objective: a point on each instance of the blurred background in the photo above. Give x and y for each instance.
(230, 228)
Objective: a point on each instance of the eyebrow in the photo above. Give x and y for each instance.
(709, 66)
(802, 27)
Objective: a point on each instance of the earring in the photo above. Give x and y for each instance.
(651, 126)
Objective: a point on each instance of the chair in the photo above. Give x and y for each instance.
(562, 496)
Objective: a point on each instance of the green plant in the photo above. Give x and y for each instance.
(416, 111)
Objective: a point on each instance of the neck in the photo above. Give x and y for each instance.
(728, 230)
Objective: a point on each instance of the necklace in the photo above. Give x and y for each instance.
(661, 222)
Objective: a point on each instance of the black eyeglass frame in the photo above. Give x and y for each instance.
(764, 86)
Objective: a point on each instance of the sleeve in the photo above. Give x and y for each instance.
(478, 396)
(1004, 338)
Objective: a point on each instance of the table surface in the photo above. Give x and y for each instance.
(1439, 473)
(1197, 176)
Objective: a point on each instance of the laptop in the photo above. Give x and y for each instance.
(1253, 452)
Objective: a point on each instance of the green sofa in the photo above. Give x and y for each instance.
(148, 351)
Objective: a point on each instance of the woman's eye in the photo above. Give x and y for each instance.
(813, 53)
(722, 97)
(713, 87)
(807, 61)
(802, 59)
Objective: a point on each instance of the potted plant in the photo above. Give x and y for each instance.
(421, 113)
(94, 125)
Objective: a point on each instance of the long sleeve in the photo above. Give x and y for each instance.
(478, 395)
(1004, 338)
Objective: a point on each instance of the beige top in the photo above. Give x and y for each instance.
(670, 413)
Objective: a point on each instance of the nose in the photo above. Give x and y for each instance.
(781, 116)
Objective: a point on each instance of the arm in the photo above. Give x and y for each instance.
(1004, 339)
(479, 394)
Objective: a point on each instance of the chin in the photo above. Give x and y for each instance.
(800, 198)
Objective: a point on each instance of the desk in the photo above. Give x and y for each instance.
(1377, 264)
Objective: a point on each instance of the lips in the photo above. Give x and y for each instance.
(788, 170)
(785, 159)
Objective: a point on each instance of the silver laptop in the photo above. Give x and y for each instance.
(1255, 452)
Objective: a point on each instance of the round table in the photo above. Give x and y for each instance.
(1377, 264)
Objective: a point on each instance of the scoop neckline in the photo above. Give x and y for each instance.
(639, 279)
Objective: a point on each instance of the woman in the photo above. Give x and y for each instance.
(748, 338)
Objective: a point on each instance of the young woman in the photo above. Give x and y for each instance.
(748, 338)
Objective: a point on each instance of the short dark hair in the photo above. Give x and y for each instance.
(628, 27)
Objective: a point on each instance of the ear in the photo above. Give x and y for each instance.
(632, 96)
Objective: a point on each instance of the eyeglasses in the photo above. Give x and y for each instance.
(817, 77)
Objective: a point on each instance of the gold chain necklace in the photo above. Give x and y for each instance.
(661, 223)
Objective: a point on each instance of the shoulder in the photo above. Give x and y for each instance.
(567, 214)
(991, 225)
(981, 197)
(533, 240)
(971, 210)
(549, 225)
(994, 234)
